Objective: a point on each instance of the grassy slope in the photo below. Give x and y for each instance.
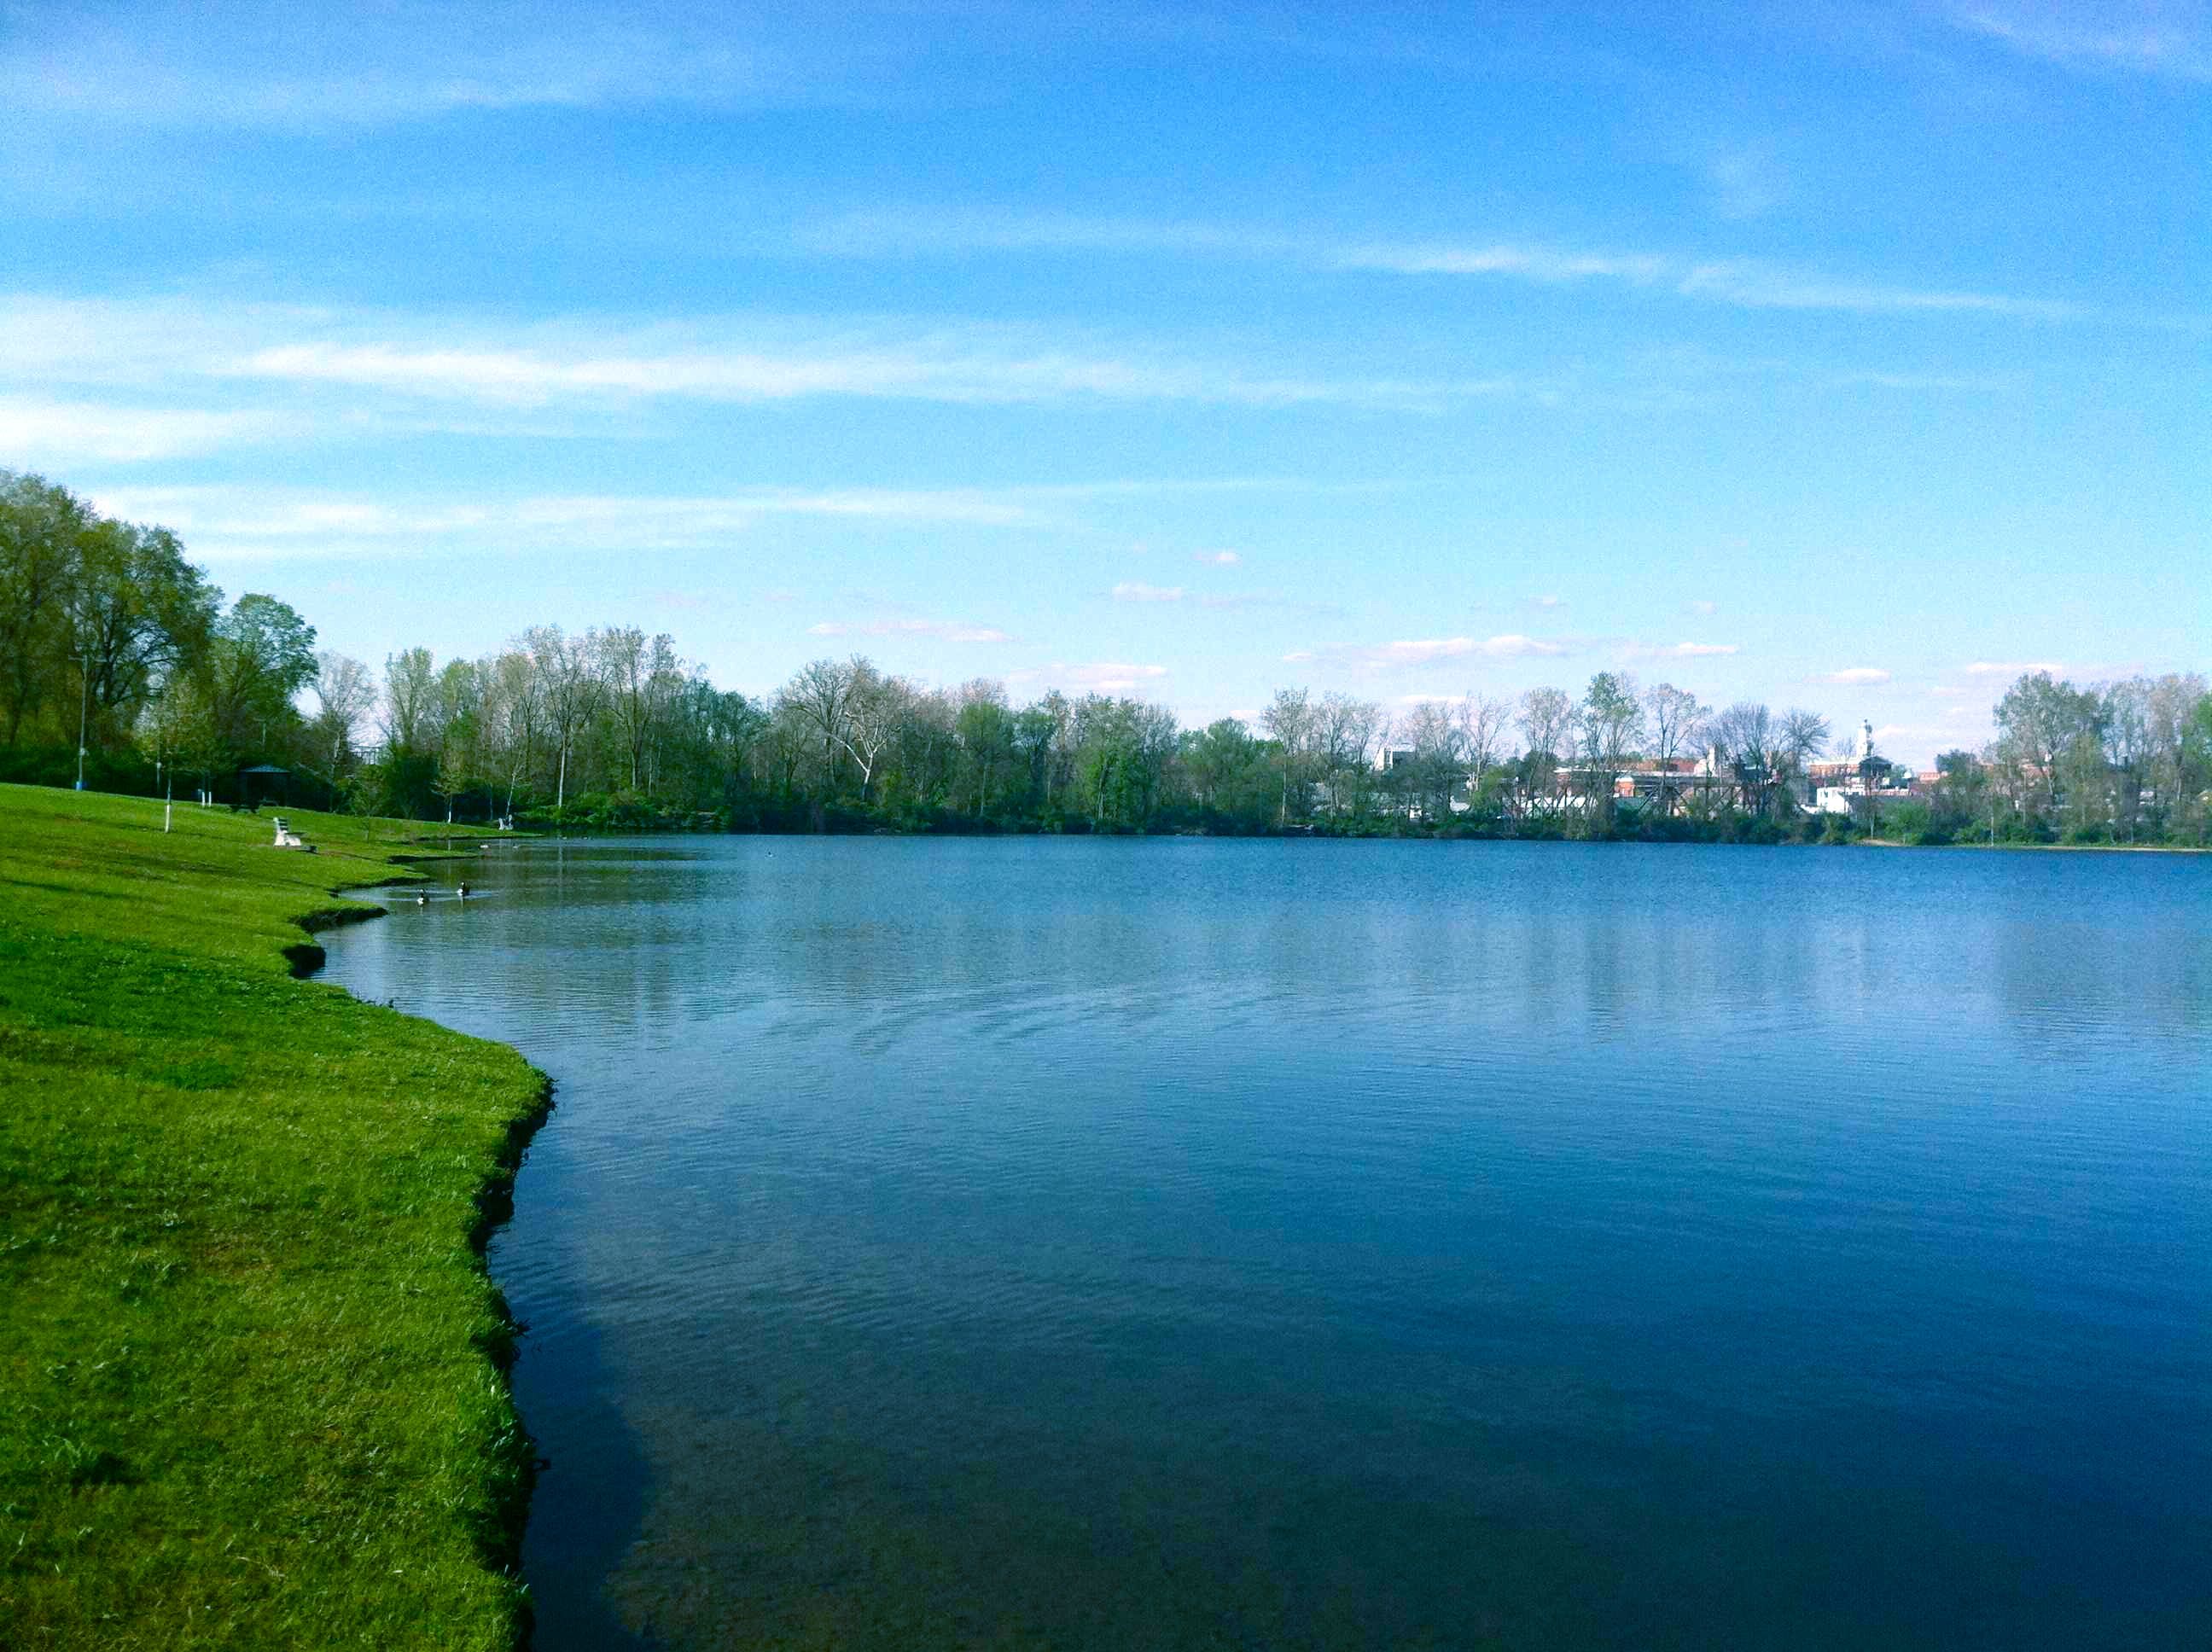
(246, 1394)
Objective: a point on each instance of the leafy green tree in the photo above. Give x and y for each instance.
(1608, 728)
(2039, 721)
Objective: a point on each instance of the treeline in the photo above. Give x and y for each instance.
(105, 624)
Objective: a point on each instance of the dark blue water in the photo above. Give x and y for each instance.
(1179, 1243)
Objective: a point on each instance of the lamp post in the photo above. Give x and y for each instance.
(83, 707)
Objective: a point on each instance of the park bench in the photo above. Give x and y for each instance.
(288, 839)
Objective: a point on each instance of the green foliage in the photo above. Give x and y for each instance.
(612, 730)
(247, 1395)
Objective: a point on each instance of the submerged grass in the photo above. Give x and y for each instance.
(251, 1365)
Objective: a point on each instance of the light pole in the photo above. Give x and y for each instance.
(84, 706)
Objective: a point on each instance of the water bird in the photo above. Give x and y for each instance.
(463, 892)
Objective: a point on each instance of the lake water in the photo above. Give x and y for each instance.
(1183, 1243)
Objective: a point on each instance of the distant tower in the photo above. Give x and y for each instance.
(1866, 739)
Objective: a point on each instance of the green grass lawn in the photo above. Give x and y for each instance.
(249, 1389)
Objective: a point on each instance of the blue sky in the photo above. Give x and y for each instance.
(1841, 356)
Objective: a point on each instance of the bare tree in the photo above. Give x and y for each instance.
(1484, 735)
(1745, 735)
(819, 699)
(570, 691)
(1344, 736)
(1432, 732)
(344, 694)
(875, 705)
(1547, 720)
(1289, 721)
(515, 714)
(2126, 727)
(637, 675)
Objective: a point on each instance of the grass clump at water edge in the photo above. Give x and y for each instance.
(250, 1390)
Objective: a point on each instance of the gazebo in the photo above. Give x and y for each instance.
(258, 779)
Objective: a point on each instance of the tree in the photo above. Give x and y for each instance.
(985, 729)
(514, 714)
(1609, 725)
(344, 695)
(1429, 730)
(819, 699)
(136, 611)
(1289, 721)
(1346, 731)
(1219, 761)
(1747, 737)
(2038, 719)
(38, 528)
(570, 690)
(262, 654)
(875, 706)
(1484, 740)
(1547, 720)
(2126, 723)
(1675, 722)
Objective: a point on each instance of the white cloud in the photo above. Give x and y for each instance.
(1298, 656)
(1422, 650)
(259, 524)
(1138, 591)
(1108, 676)
(1752, 285)
(1218, 558)
(268, 65)
(2162, 40)
(38, 431)
(1682, 650)
(1747, 181)
(945, 630)
(973, 370)
(1701, 606)
(609, 364)
(1547, 602)
(1855, 677)
(2014, 668)
(1538, 263)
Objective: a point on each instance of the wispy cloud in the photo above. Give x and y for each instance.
(1740, 282)
(269, 65)
(1425, 650)
(602, 365)
(2014, 668)
(931, 370)
(1853, 676)
(1548, 265)
(1746, 179)
(2168, 41)
(248, 522)
(1138, 591)
(945, 630)
(1701, 606)
(1218, 558)
(1682, 650)
(1106, 676)
(38, 431)
(1547, 602)
(1752, 285)
(261, 524)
